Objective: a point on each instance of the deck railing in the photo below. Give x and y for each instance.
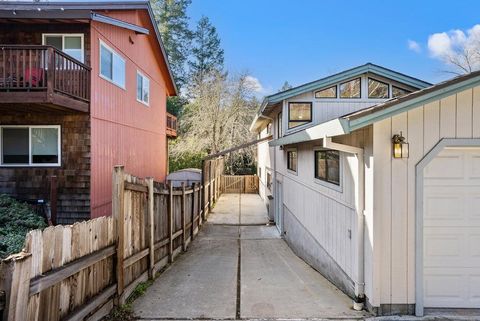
(171, 125)
(43, 68)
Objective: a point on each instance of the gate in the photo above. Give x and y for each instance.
(240, 184)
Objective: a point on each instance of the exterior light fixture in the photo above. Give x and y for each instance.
(400, 146)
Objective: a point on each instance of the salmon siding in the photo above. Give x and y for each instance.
(126, 118)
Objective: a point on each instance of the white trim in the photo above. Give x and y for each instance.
(146, 103)
(419, 169)
(63, 35)
(30, 163)
(102, 43)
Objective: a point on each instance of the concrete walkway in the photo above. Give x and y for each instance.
(239, 268)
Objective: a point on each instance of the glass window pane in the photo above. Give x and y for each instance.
(15, 146)
(105, 62)
(299, 114)
(397, 92)
(333, 166)
(292, 160)
(118, 70)
(55, 41)
(350, 89)
(45, 145)
(73, 42)
(377, 89)
(139, 87)
(75, 53)
(327, 93)
(320, 165)
(146, 89)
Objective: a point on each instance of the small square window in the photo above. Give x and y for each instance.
(377, 89)
(292, 160)
(299, 114)
(351, 89)
(327, 166)
(330, 92)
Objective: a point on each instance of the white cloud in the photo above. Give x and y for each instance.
(255, 84)
(446, 43)
(414, 46)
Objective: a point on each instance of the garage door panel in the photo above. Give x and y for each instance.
(452, 229)
(436, 168)
(443, 206)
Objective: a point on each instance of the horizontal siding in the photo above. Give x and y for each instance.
(456, 116)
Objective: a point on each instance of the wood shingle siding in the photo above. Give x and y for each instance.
(30, 183)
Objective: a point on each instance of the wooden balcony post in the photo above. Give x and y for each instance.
(50, 56)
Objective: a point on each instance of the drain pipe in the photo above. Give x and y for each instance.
(359, 300)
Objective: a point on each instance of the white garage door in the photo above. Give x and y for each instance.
(452, 229)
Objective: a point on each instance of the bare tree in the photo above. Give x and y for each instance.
(218, 117)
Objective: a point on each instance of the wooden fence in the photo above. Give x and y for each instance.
(80, 271)
(239, 184)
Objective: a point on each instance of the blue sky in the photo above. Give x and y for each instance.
(302, 40)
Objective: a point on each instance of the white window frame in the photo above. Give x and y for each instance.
(63, 35)
(102, 43)
(30, 163)
(147, 103)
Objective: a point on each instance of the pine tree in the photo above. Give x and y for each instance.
(207, 54)
(172, 19)
(286, 86)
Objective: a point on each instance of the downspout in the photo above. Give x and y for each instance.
(358, 303)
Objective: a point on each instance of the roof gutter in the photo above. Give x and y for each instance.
(119, 23)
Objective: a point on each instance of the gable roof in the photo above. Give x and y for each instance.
(85, 10)
(344, 75)
(367, 116)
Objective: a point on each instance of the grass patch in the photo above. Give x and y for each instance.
(125, 311)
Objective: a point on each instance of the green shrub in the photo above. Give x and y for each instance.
(16, 220)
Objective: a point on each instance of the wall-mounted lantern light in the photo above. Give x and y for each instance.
(400, 146)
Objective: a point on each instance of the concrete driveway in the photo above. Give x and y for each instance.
(239, 268)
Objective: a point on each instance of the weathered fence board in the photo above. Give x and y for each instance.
(77, 272)
(239, 184)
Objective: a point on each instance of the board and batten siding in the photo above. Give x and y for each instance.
(125, 131)
(391, 270)
(327, 212)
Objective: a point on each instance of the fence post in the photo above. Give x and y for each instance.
(18, 268)
(170, 223)
(193, 212)
(118, 212)
(151, 228)
(201, 203)
(209, 188)
(183, 218)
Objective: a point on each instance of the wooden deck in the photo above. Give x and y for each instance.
(42, 78)
(171, 126)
